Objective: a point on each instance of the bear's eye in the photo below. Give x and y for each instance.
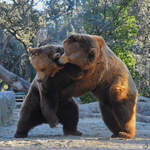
(42, 70)
(72, 38)
(91, 57)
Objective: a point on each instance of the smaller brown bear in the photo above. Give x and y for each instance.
(107, 77)
(44, 103)
(42, 59)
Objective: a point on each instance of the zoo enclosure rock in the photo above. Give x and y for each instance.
(143, 110)
(7, 104)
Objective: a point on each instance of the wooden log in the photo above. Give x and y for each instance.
(13, 80)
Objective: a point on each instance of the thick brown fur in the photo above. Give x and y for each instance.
(44, 103)
(107, 77)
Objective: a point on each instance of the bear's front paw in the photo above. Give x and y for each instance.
(54, 122)
(75, 133)
(123, 135)
(20, 135)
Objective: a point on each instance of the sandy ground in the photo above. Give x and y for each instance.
(95, 137)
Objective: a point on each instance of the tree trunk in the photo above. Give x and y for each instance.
(13, 80)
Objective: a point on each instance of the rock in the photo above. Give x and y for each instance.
(143, 108)
(89, 110)
(92, 110)
(142, 118)
(7, 104)
(143, 99)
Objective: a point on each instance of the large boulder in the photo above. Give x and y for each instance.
(89, 110)
(7, 104)
(143, 110)
(143, 106)
(142, 118)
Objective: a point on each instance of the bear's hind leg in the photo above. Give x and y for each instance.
(116, 117)
(27, 122)
(68, 115)
(127, 116)
(30, 114)
(109, 117)
(123, 97)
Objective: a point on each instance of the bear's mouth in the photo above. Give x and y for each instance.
(58, 63)
(73, 70)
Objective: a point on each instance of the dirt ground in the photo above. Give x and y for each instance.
(95, 137)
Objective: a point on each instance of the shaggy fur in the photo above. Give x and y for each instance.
(107, 77)
(44, 103)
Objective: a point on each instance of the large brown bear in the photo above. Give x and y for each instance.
(44, 103)
(107, 77)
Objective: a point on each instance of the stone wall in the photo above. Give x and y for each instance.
(7, 104)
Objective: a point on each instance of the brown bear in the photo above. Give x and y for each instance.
(107, 77)
(44, 103)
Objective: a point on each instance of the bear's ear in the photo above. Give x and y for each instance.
(100, 41)
(29, 49)
(34, 51)
(74, 38)
(56, 56)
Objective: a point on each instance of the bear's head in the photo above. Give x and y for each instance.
(44, 59)
(82, 50)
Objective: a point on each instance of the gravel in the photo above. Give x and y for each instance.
(95, 136)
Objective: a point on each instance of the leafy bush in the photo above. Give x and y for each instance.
(88, 98)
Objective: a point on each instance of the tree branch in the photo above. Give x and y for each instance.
(13, 80)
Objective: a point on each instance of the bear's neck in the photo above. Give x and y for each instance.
(110, 64)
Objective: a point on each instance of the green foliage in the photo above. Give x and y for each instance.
(62, 19)
(88, 98)
(127, 58)
(21, 20)
(5, 87)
